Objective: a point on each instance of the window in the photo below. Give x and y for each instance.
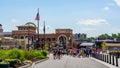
(22, 37)
(53, 39)
(48, 39)
(26, 36)
(15, 37)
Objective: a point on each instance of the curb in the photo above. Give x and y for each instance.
(34, 63)
(106, 64)
(25, 66)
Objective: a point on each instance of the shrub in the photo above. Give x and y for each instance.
(44, 53)
(3, 54)
(40, 57)
(29, 55)
(16, 54)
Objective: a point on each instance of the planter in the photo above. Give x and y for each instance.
(12, 62)
(4, 65)
(0, 60)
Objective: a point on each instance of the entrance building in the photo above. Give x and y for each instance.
(27, 35)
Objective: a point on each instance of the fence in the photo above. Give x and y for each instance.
(111, 59)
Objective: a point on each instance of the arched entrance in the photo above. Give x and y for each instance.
(62, 41)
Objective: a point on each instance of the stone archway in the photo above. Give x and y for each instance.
(62, 40)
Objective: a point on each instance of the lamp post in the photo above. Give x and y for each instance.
(28, 36)
(49, 44)
(70, 41)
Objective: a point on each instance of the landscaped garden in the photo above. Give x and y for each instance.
(16, 57)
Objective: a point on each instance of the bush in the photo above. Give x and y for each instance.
(40, 57)
(16, 54)
(21, 55)
(29, 55)
(3, 54)
(44, 53)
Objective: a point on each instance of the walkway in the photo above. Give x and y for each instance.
(69, 62)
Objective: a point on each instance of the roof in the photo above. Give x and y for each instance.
(5, 32)
(106, 40)
(86, 44)
(113, 44)
(7, 37)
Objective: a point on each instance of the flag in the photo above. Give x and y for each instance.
(37, 17)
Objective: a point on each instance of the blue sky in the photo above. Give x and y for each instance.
(93, 17)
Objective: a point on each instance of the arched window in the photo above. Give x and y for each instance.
(22, 37)
(26, 36)
(15, 37)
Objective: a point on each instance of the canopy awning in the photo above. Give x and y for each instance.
(113, 44)
(7, 37)
(86, 44)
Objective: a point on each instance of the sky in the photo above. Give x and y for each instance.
(93, 17)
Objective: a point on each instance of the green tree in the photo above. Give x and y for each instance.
(103, 46)
(90, 39)
(118, 35)
(52, 44)
(114, 36)
(46, 46)
(104, 36)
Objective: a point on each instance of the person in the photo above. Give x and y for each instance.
(72, 52)
(54, 54)
(87, 52)
(59, 54)
(83, 52)
(79, 54)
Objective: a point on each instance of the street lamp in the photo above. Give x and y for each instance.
(49, 44)
(28, 36)
(70, 41)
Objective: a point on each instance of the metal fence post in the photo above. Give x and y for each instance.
(110, 59)
(116, 61)
(103, 57)
(107, 59)
(113, 60)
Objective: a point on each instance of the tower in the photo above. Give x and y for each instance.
(1, 30)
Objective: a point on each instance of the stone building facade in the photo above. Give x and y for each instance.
(27, 34)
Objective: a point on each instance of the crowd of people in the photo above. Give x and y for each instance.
(83, 52)
(57, 54)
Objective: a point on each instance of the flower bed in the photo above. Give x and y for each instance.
(16, 57)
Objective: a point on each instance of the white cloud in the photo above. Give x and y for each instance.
(117, 2)
(48, 29)
(13, 20)
(106, 8)
(88, 29)
(115, 30)
(92, 22)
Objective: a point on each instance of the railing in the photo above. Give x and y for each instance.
(107, 58)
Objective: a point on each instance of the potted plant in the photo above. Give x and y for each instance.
(12, 62)
(4, 64)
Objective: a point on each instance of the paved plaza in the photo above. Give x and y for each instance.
(69, 62)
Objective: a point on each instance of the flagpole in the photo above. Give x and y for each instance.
(38, 40)
(44, 33)
(38, 27)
